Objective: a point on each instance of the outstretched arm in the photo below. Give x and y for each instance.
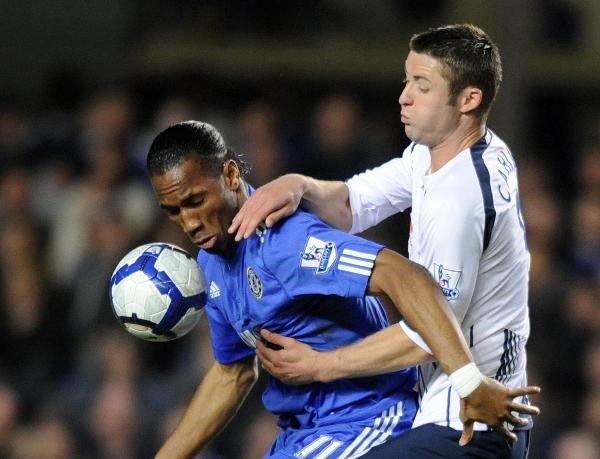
(281, 197)
(217, 399)
(421, 303)
(297, 363)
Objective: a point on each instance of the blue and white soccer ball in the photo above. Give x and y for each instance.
(158, 292)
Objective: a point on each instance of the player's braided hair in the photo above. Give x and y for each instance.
(468, 57)
(183, 140)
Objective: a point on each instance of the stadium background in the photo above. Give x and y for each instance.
(307, 86)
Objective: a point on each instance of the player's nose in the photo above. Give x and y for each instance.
(190, 222)
(404, 98)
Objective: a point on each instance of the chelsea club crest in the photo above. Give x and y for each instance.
(255, 283)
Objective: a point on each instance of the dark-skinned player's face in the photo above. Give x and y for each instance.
(201, 202)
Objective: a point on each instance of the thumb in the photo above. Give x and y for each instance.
(467, 433)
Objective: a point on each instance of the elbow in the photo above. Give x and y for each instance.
(345, 219)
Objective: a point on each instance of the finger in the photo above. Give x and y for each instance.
(265, 354)
(247, 226)
(268, 366)
(515, 420)
(502, 430)
(235, 223)
(467, 433)
(520, 391)
(274, 338)
(252, 217)
(274, 217)
(260, 350)
(524, 409)
(240, 220)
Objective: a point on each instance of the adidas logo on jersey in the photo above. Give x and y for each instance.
(214, 290)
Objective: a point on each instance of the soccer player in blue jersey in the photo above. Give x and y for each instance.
(460, 181)
(306, 280)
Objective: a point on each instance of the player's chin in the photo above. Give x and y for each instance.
(221, 245)
(411, 133)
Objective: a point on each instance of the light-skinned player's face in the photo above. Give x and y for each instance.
(426, 113)
(201, 202)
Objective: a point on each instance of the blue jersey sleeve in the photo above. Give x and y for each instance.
(227, 346)
(308, 257)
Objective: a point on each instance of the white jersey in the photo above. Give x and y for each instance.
(467, 229)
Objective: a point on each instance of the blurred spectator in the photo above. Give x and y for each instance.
(171, 110)
(109, 239)
(30, 330)
(261, 142)
(14, 135)
(586, 235)
(9, 416)
(107, 185)
(107, 118)
(591, 413)
(49, 438)
(592, 364)
(582, 307)
(260, 435)
(114, 423)
(336, 141)
(576, 444)
(15, 189)
(588, 171)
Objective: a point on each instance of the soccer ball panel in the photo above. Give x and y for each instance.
(158, 292)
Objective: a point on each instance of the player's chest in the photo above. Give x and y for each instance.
(242, 295)
(424, 217)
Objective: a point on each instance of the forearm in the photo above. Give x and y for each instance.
(329, 200)
(420, 301)
(382, 352)
(217, 399)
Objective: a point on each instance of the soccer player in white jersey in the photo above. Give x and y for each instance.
(460, 180)
(310, 281)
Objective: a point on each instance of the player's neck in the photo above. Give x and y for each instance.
(463, 137)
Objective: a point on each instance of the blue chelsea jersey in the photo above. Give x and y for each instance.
(305, 280)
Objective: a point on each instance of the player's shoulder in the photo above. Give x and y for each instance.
(494, 150)
(296, 224)
(207, 261)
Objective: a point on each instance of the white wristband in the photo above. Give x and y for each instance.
(466, 379)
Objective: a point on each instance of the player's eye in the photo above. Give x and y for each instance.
(194, 201)
(171, 211)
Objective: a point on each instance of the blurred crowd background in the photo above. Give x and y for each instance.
(308, 86)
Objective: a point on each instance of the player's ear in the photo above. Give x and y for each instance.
(231, 175)
(470, 98)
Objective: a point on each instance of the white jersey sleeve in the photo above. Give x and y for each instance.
(380, 192)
